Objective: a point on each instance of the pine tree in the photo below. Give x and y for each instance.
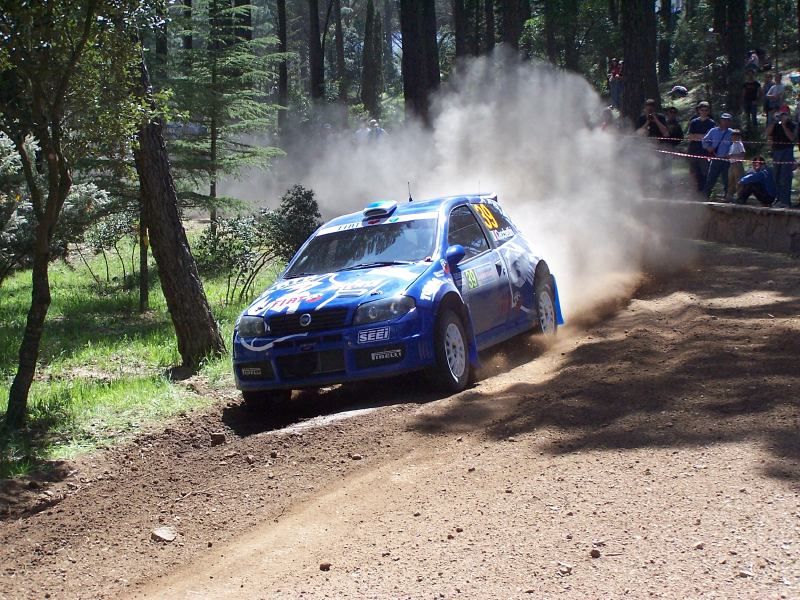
(219, 89)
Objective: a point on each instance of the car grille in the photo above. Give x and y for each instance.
(333, 318)
(295, 366)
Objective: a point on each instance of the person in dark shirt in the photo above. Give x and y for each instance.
(651, 123)
(782, 132)
(673, 126)
(751, 90)
(698, 128)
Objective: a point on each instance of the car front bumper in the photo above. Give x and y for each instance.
(319, 358)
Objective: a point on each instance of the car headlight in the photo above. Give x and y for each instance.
(252, 327)
(383, 310)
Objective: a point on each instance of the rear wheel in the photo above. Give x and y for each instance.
(546, 322)
(452, 370)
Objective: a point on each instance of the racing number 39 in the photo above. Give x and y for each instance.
(487, 216)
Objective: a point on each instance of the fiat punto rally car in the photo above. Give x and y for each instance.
(392, 289)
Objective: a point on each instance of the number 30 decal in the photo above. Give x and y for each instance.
(486, 215)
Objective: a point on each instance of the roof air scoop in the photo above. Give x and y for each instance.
(379, 209)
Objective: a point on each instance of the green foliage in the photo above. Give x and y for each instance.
(85, 204)
(102, 365)
(220, 91)
(240, 247)
(297, 218)
(237, 248)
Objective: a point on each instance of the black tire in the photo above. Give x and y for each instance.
(545, 302)
(266, 399)
(452, 371)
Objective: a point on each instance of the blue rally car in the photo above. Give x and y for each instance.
(392, 289)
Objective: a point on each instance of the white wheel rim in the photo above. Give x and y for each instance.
(455, 351)
(547, 314)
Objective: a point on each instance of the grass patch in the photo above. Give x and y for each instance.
(101, 367)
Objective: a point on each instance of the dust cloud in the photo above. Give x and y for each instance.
(524, 130)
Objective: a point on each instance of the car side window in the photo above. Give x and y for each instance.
(464, 229)
(496, 222)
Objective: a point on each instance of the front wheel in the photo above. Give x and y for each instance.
(452, 369)
(546, 308)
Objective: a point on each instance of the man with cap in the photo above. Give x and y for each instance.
(698, 128)
(717, 144)
(758, 182)
(782, 133)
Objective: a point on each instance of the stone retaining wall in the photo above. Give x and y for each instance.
(770, 229)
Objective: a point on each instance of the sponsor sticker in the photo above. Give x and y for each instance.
(367, 336)
(387, 354)
(251, 371)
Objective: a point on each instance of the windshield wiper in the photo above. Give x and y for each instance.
(379, 263)
(296, 275)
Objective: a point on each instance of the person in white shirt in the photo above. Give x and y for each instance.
(736, 170)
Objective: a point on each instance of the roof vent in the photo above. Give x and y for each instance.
(379, 209)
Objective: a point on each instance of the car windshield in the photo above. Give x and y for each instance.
(400, 242)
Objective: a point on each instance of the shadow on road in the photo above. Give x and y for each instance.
(720, 367)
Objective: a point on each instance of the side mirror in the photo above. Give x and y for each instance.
(454, 255)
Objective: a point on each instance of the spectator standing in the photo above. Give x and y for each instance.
(774, 97)
(652, 124)
(376, 132)
(752, 63)
(615, 82)
(758, 182)
(361, 134)
(717, 144)
(768, 83)
(673, 126)
(751, 91)
(782, 133)
(698, 128)
(736, 168)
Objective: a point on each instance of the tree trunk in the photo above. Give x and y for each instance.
(420, 56)
(512, 29)
(488, 40)
(16, 413)
(144, 267)
(283, 72)
(735, 38)
(59, 183)
(550, 18)
(613, 11)
(341, 69)
(460, 27)
(389, 72)
(569, 21)
(639, 48)
(431, 45)
(370, 96)
(186, 38)
(316, 62)
(475, 8)
(160, 62)
(196, 330)
(665, 41)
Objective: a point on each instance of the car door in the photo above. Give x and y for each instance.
(480, 275)
(517, 259)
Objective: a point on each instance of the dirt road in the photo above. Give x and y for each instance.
(651, 452)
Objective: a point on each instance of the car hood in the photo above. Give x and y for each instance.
(335, 290)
